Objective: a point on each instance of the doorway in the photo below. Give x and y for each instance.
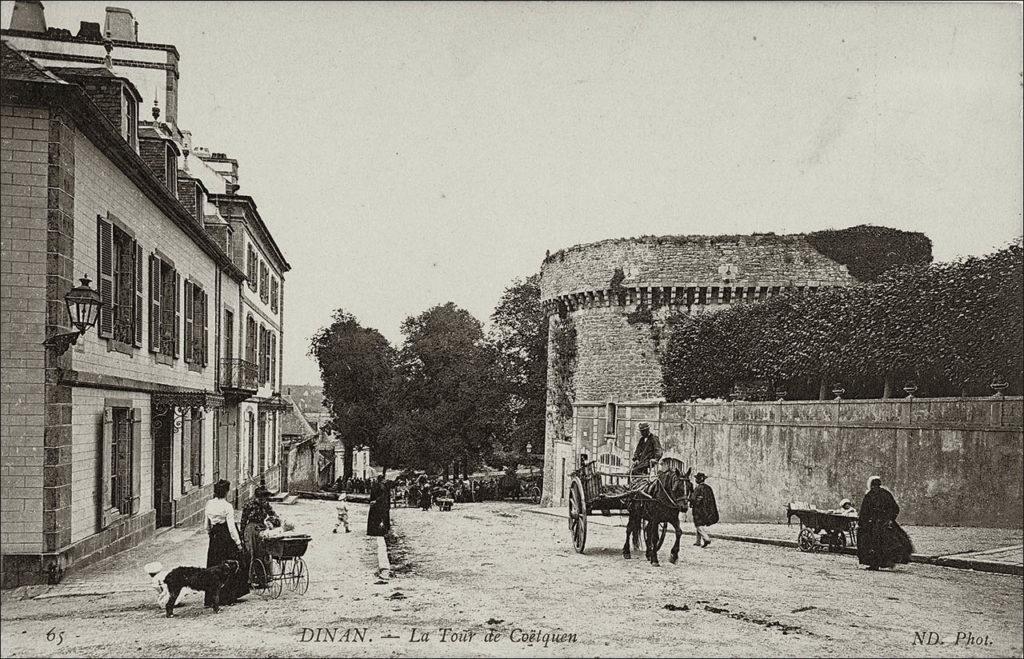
(163, 436)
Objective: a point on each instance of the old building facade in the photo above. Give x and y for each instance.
(127, 430)
(608, 305)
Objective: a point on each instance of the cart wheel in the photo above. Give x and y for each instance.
(300, 576)
(577, 516)
(806, 540)
(535, 494)
(259, 580)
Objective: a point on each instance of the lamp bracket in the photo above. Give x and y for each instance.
(61, 342)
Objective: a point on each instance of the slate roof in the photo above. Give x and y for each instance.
(15, 66)
(294, 424)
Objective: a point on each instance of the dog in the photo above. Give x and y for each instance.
(205, 579)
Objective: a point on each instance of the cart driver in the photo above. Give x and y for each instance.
(846, 508)
(647, 449)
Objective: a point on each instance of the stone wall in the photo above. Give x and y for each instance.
(619, 295)
(947, 461)
(23, 242)
(758, 259)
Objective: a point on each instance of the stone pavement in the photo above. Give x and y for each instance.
(124, 573)
(989, 550)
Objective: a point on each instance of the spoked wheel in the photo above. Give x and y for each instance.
(837, 541)
(535, 494)
(577, 516)
(300, 576)
(259, 579)
(806, 540)
(274, 574)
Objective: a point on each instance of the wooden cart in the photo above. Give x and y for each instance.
(594, 491)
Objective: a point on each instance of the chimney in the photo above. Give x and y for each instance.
(120, 24)
(90, 31)
(28, 16)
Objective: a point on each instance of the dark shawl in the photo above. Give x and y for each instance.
(881, 542)
(705, 509)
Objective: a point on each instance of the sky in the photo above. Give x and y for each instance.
(409, 154)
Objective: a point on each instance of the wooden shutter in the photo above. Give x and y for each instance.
(104, 514)
(138, 295)
(189, 317)
(186, 452)
(136, 420)
(197, 450)
(205, 310)
(154, 303)
(273, 359)
(105, 265)
(177, 314)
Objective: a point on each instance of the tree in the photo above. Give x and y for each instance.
(520, 338)
(357, 366)
(447, 394)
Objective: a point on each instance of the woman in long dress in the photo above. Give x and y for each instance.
(225, 543)
(257, 515)
(880, 540)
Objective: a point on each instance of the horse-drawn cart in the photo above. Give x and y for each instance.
(823, 530)
(596, 492)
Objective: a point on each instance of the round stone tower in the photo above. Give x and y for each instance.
(607, 305)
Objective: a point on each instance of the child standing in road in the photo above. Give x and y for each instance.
(342, 513)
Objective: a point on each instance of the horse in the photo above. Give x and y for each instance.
(657, 502)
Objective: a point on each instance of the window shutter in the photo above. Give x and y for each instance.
(205, 310)
(186, 452)
(136, 460)
(154, 303)
(177, 314)
(197, 450)
(106, 447)
(105, 265)
(138, 295)
(273, 359)
(189, 324)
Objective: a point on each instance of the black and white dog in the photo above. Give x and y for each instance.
(205, 579)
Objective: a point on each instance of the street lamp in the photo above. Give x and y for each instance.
(910, 388)
(83, 305)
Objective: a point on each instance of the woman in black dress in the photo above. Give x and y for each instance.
(225, 543)
(880, 540)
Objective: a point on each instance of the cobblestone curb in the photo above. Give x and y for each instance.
(944, 561)
(383, 562)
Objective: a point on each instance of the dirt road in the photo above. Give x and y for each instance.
(506, 581)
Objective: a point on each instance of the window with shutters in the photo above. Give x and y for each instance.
(264, 283)
(196, 324)
(216, 445)
(251, 423)
(272, 361)
(120, 456)
(273, 294)
(192, 450)
(264, 344)
(119, 257)
(251, 268)
(250, 340)
(164, 307)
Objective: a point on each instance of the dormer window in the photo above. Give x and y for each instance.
(171, 170)
(131, 118)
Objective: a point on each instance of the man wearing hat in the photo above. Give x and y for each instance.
(705, 510)
(647, 449)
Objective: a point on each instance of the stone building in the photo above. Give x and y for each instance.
(127, 430)
(608, 303)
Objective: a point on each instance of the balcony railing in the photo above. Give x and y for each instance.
(239, 376)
